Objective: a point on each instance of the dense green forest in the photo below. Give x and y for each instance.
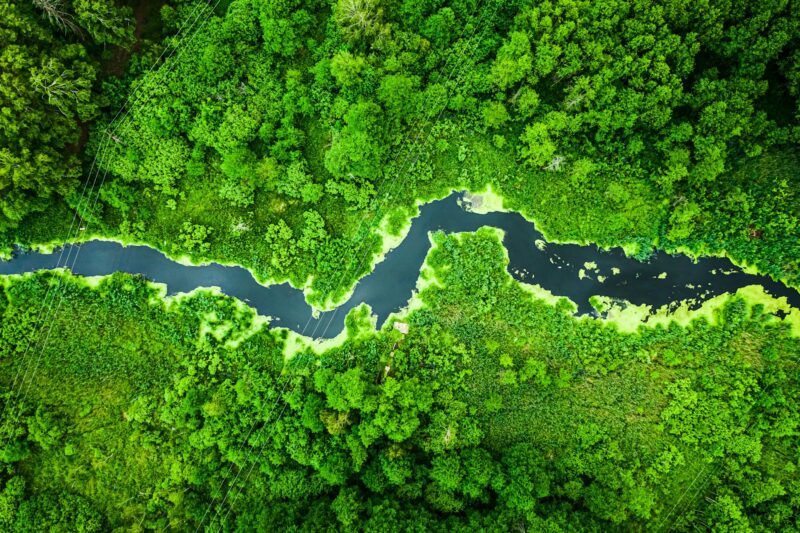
(497, 411)
(289, 136)
(274, 134)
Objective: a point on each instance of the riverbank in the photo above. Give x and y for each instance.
(555, 273)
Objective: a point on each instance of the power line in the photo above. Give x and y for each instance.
(339, 283)
(334, 314)
(46, 309)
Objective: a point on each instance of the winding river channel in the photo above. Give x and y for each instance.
(571, 270)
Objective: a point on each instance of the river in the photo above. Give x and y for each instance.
(560, 268)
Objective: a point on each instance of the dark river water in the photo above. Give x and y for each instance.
(555, 267)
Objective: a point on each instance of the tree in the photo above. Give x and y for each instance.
(44, 429)
(347, 506)
(359, 19)
(494, 114)
(524, 480)
(284, 24)
(313, 234)
(682, 221)
(194, 237)
(357, 150)
(346, 68)
(399, 94)
(438, 28)
(46, 88)
(105, 21)
(239, 166)
(279, 237)
(538, 148)
(447, 471)
(56, 12)
(297, 183)
(64, 88)
(513, 61)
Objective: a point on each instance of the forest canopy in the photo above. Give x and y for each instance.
(51, 55)
(291, 137)
(497, 410)
(668, 124)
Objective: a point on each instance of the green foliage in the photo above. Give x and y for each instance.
(283, 25)
(642, 127)
(754, 215)
(278, 137)
(600, 430)
(346, 68)
(357, 150)
(359, 19)
(104, 21)
(194, 236)
(48, 88)
(494, 114)
(538, 148)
